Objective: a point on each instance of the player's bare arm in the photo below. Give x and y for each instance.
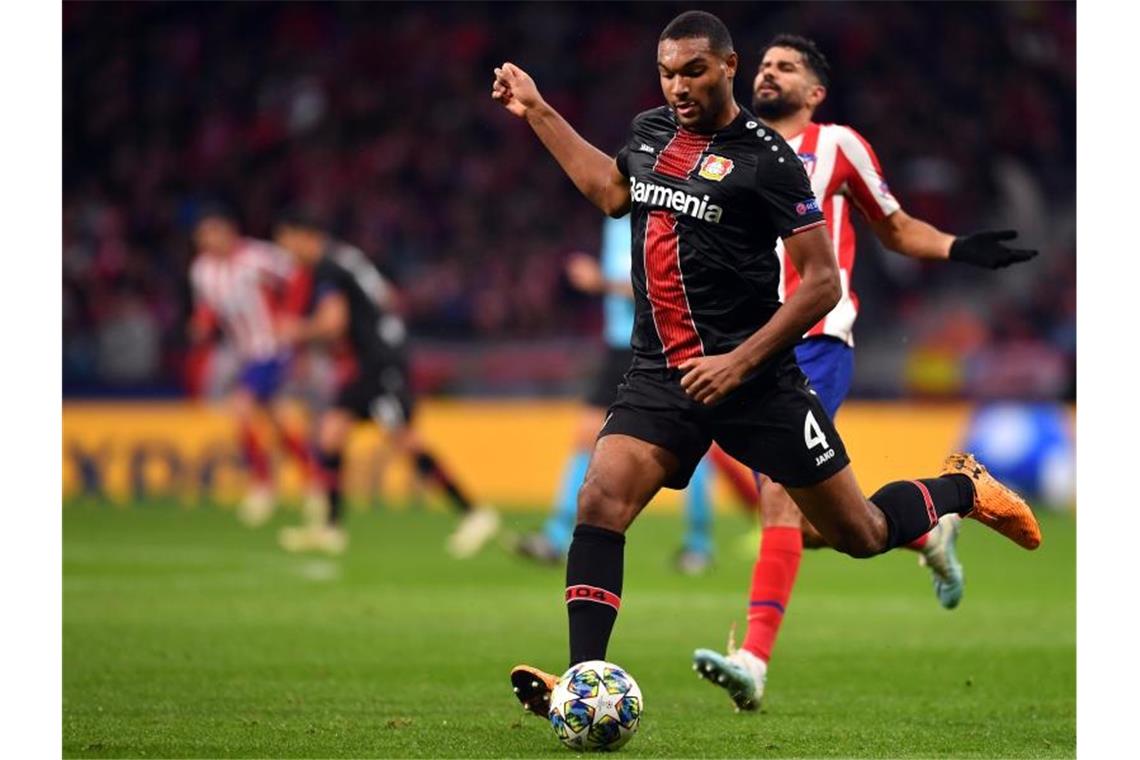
(708, 379)
(594, 173)
(913, 237)
(902, 233)
(586, 275)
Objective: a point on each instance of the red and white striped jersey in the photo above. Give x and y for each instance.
(240, 293)
(843, 170)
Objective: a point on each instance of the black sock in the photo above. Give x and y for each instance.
(331, 473)
(593, 590)
(912, 507)
(428, 466)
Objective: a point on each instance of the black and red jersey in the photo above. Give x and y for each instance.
(707, 211)
(376, 335)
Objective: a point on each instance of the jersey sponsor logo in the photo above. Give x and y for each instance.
(646, 148)
(715, 167)
(809, 206)
(808, 160)
(675, 200)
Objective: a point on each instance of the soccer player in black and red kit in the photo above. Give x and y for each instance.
(709, 190)
(341, 300)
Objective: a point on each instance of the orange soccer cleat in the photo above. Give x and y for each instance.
(995, 505)
(532, 687)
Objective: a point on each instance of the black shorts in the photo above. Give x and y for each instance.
(609, 376)
(381, 393)
(773, 423)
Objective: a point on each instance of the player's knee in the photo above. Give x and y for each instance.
(332, 433)
(858, 541)
(813, 539)
(327, 440)
(423, 462)
(597, 506)
(242, 404)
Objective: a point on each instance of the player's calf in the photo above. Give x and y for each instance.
(624, 475)
(811, 537)
(600, 507)
(895, 515)
(594, 571)
(860, 540)
(913, 507)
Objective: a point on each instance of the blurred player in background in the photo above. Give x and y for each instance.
(844, 172)
(341, 300)
(239, 285)
(710, 190)
(611, 281)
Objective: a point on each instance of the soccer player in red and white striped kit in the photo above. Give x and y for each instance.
(239, 286)
(844, 172)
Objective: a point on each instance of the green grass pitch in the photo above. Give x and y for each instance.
(187, 635)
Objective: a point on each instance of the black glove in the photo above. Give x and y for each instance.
(985, 249)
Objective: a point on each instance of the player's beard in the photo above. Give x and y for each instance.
(771, 109)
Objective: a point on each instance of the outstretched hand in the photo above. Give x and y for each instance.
(514, 88)
(985, 249)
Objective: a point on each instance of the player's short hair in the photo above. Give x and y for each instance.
(303, 218)
(216, 209)
(813, 58)
(692, 24)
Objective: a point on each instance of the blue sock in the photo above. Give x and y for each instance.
(698, 511)
(560, 527)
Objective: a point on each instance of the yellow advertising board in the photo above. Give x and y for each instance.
(507, 453)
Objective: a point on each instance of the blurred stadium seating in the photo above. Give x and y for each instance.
(379, 114)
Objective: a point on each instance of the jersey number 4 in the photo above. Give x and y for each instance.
(813, 435)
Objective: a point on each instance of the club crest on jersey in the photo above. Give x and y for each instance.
(715, 167)
(808, 160)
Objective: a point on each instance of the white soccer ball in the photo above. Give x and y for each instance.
(595, 705)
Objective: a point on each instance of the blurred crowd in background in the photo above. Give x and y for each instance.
(380, 116)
